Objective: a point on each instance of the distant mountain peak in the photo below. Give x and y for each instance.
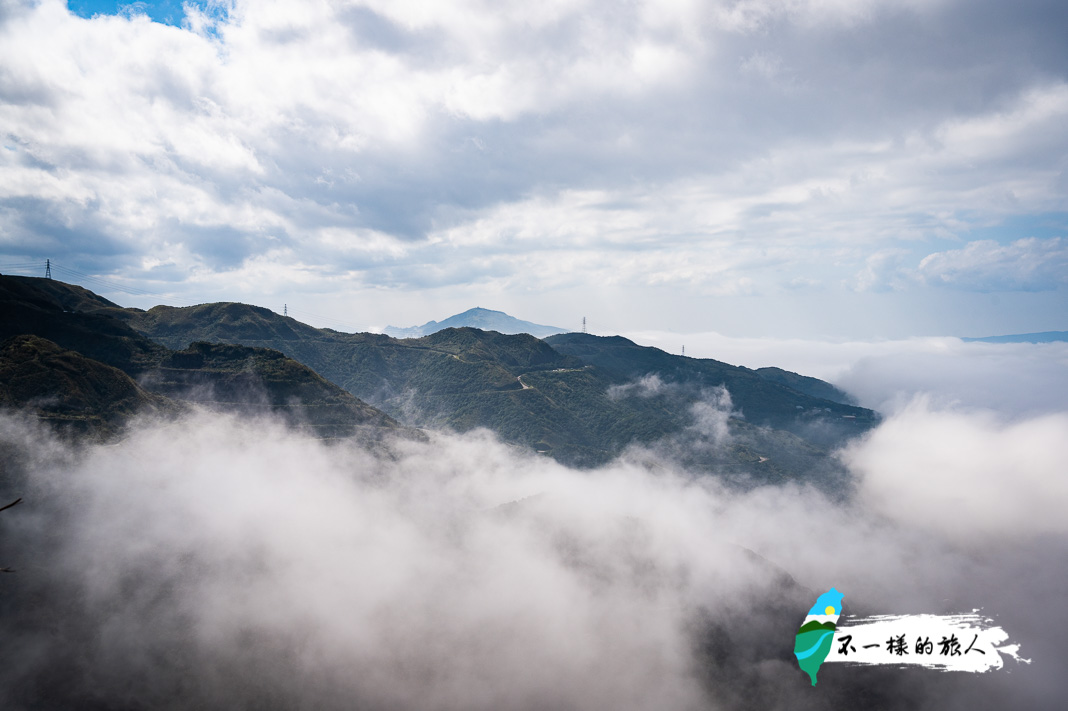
(478, 317)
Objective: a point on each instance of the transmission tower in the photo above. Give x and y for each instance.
(285, 309)
(583, 324)
(684, 350)
(48, 269)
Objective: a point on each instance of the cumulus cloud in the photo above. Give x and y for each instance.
(1029, 264)
(717, 148)
(882, 271)
(966, 474)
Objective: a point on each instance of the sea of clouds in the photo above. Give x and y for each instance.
(218, 562)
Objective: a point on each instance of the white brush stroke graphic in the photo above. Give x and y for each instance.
(966, 642)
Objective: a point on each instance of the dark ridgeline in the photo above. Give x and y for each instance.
(65, 356)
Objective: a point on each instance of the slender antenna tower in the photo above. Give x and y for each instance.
(285, 309)
(684, 350)
(583, 324)
(48, 269)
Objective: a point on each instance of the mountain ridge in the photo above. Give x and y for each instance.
(578, 398)
(92, 371)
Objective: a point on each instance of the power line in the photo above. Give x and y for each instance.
(339, 324)
(113, 285)
(100, 283)
(83, 279)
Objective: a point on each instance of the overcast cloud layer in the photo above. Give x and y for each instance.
(752, 167)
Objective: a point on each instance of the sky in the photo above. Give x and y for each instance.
(860, 169)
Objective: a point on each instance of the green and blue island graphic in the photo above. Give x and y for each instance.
(960, 642)
(816, 635)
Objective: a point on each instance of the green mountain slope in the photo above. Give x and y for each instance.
(66, 389)
(804, 384)
(764, 398)
(404, 379)
(45, 308)
(262, 381)
(458, 379)
(177, 327)
(578, 398)
(569, 400)
(87, 362)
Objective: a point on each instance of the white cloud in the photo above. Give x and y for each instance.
(757, 15)
(763, 64)
(882, 271)
(645, 386)
(1028, 264)
(966, 475)
(711, 415)
(1017, 379)
(718, 149)
(216, 562)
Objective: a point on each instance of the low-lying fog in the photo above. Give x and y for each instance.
(220, 563)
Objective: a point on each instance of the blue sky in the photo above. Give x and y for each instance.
(866, 169)
(168, 12)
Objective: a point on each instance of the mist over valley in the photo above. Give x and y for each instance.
(470, 355)
(220, 526)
